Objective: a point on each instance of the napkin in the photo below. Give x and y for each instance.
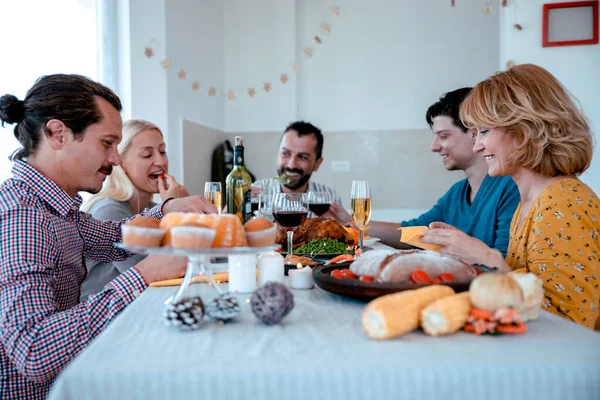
(412, 235)
(219, 277)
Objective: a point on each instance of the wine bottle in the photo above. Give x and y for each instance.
(238, 185)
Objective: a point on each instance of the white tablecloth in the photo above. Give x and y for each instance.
(321, 352)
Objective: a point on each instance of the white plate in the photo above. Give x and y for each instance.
(370, 241)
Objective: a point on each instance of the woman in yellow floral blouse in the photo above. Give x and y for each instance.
(529, 127)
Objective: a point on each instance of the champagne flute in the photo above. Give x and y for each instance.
(213, 192)
(361, 207)
(265, 205)
(290, 210)
(319, 202)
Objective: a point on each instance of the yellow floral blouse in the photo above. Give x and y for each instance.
(559, 241)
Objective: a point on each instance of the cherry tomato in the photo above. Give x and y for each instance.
(346, 273)
(336, 273)
(366, 278)
(447, 277)
(478, 271)
(162, 176)
(436, 281)
(419, 276)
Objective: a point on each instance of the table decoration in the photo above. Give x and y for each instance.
(223, 308)
(242, 273)
(270, 268)
(301, 277)
(272, 302)
(185, 314)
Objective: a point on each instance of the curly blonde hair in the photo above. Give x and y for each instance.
(553, 136)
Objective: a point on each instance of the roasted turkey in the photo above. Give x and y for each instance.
(316, 228)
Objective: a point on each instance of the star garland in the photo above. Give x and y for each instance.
(267, 86)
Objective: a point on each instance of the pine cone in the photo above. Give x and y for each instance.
(271, 302)
(185, 314)
(223, 307)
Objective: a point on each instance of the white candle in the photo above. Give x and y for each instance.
(242, 273)
(300, 278)
(270, 268)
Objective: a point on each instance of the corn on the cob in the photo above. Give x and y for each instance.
(395, 314)
(446, 315)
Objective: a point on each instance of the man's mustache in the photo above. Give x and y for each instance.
(107, 170)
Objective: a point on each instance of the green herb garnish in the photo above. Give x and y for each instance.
(283, 177)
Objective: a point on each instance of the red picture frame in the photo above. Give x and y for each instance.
(547, 7)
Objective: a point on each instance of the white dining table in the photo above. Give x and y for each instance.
(320, 351)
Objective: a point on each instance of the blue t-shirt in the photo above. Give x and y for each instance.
(488, 218)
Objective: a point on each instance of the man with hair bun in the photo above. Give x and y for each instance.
(69, 127)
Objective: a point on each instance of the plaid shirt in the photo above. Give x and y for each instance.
(45, 239)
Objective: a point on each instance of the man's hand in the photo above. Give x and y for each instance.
(194, 204)
(338, 213)
(168, 187)
(156, 268)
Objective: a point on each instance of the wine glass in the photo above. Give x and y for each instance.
(213, 192)
(254, 195)
(319, 202)
(361, 207)
(265, 205)
(290, 210)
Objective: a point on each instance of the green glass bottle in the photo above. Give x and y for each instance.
(238, 184)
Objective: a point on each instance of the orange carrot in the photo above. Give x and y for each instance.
(512, 329)
(481, 314)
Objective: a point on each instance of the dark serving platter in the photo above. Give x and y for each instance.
(366, 291)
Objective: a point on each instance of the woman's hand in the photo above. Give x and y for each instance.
(463, 247)
(168, 187)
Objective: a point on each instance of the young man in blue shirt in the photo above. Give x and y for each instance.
(479, 205)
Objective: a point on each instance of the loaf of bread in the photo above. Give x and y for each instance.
(397, 266)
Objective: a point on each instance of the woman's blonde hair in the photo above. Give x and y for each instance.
(117, 185)
(553, 136)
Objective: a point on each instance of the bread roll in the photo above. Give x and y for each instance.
(532, 288)
(493, 290)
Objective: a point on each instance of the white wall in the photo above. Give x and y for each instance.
(194, 42)
(260, 45)
(382, 65)
(387, 61)
(577, 67)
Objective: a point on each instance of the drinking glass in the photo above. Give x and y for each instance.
(254, 203)
(361, 207)
(319, 202)
(265, 205)
(213, 192)
(290, 210)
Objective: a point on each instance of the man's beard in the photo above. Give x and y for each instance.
(295, 185)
